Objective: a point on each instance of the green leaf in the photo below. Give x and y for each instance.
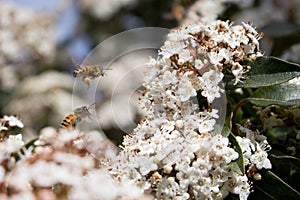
(275, 187)
(279, 135)
(232, 197)
(283, 94)
(238, 149)
(267, 71)
(281, 28)
(234, 166)
(286, 158)
(226, 130)
(286, 167)
(259, 194)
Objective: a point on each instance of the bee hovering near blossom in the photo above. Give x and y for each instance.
(89, 72)
(79, 114)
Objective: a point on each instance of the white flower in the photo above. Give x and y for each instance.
(2, 174)
(237, 71)
(67, 136)
(211, 93)
(203, 164)
(199, 64)
(186, 89)
(171, 48)
(254, 152)
(51, 173)
(167, 126)
(260, 159)
(146, 165)
(3, 127)
(170, 77)
(207, 125)
(178, 35)
(240, 186)
(72, 160)
(215, 58)
(14, 143)
(210, 87)
(212, 77)
(13, 121)
(226, 54)
(249, 28)
(185, 55)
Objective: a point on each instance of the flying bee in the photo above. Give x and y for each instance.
(89, 72)
(79, 114)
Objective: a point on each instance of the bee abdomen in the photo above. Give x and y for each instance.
(68, 122)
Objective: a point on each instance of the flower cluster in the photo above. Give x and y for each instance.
(195, 166)
(59, 166)
(211, 10)
(10, 121)
(10, 145)
(192, 61)
(254, 147)
(23, 30)
(173, 152)
(104, 9)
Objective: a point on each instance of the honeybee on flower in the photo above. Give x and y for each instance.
(79, 114)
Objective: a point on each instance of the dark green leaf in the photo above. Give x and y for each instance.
(278, 135)
(286, 158)
(281, 28)
(232, 197)
(238, 149)
(259, 194)
(286, 167)
(267, 71)
(283, 94)
(274, 187)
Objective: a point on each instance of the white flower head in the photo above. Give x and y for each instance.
(260, 159)
(14, 143)
(186, 89)
(207, 125)
(13, 121)
(3, 127)
(211, 93)
(170, 77)
(212, 77)
(176, 132)
(2, 174)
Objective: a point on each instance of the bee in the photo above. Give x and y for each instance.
(89, 72)
(79, 114)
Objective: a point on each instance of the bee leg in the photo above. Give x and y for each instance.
(74, 124)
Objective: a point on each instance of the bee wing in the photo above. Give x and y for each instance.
(104, 69)
(92, 106)
(76, 62)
